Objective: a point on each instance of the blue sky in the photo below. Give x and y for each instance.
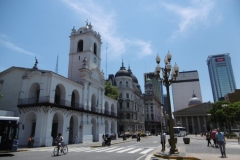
(134, 31)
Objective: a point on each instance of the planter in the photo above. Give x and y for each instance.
(175, 140)
(186, 140)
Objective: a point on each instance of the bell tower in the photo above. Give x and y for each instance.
(85, 51)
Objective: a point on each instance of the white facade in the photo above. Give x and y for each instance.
(48, 103)
(183, 88)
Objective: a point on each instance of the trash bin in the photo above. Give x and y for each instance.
(238, 140)
(14, 145)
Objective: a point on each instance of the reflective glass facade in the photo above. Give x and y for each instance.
(221, 75)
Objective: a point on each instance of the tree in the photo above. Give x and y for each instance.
(111, 91)
(234, 110)
(223, 115)
(217, 112)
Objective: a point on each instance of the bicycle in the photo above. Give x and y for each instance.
(62, 149)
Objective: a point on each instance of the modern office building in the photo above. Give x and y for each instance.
(221, 75)
(186, 84)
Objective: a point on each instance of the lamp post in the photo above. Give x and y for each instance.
(224, 106)
(167, 79)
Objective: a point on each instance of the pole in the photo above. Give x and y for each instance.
(173, 148)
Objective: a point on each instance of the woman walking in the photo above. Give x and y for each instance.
(208, 139)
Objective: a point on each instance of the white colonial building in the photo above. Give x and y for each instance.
(48, 103)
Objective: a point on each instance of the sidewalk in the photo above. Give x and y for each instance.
(197, 149)
(94, 144)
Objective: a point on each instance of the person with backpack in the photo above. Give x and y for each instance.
(59, 142)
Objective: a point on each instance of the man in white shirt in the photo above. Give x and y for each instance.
(163, 141)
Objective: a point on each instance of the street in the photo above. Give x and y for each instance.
(130, 150)
(127, 150)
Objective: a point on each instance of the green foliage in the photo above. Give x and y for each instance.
(111, 91)
(234, 112)
(220, 115)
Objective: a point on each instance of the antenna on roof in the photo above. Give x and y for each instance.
(106, 60)
(56, 69)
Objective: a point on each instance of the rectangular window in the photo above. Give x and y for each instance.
(127, 105)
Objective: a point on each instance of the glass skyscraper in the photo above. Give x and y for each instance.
(221, 75)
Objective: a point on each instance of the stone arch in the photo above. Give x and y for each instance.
(106, 107)
(34, 93)
(73, 129)
(94, 102)
(94, 129)
(113, 110)
(80, 46)
(57, 125)
(95, 48)
(60, 94)
(113, 127)
(106, 126)
(75, 98)
(29, 125)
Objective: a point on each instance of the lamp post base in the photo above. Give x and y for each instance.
(173, 151)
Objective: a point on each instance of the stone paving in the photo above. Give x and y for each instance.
(197, 149)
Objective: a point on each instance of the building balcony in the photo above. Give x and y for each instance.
(64, 104)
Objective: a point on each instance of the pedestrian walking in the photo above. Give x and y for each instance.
(32, 142)
(163, 141)
(213, 137)
(76, 138)
(29, 141)
(221, 142)
(208, 139)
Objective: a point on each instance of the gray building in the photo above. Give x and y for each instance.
(221, 75)
(130, 102)
(157, 87)
(186, 84)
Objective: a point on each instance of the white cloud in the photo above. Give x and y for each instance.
(191, 16)
(103, 20)
(12, 46)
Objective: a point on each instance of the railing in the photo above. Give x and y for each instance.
(64, 103)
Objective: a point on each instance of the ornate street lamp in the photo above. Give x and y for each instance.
(167, 78)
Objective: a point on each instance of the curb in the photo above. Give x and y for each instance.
(165, 156)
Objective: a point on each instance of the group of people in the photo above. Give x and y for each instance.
(218, 140)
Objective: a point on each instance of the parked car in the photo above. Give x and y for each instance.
(134, 135)
(148, 133)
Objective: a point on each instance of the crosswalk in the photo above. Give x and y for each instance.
(115, 149)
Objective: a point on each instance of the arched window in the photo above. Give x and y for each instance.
(95, 49)
(80, 46)
(126, 84)
(120, 84)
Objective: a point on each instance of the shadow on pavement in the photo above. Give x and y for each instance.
(6, 155)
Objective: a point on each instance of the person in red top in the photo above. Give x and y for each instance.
(213, 137)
